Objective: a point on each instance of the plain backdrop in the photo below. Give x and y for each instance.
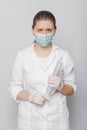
(16, 34)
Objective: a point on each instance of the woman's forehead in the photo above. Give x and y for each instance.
(44, 23)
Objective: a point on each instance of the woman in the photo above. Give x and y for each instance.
(33, 73)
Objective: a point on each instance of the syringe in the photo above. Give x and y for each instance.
(57, 71)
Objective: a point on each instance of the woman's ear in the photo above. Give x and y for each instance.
(54, 31)
(33, 31)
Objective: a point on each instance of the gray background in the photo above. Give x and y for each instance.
(15, 34)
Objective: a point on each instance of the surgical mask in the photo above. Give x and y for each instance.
(44, 39)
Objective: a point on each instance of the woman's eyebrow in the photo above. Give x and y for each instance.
(48, 29)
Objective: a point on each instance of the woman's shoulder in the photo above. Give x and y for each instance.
(64, 53)
(60, 50)
(25, 51)
(24, 54)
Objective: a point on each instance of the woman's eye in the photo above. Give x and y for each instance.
(48, 30)
(39, 30)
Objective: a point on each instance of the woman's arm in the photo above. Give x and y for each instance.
(23, 95)
(69, 83)
(66, 90)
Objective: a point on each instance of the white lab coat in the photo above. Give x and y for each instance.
(29, 75)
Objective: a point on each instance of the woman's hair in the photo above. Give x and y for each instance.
(44, 15)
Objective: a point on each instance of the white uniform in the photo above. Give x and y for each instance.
(31, 73)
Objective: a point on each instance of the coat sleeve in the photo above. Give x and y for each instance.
(16, 78)
(68, 71)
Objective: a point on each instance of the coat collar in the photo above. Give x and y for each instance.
(51, 57)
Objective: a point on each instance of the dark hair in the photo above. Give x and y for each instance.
(44, 15)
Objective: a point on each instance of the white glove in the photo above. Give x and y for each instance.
(54, 81)
(37, 98)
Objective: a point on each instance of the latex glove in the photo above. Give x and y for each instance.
(37, 98)
(54, 81)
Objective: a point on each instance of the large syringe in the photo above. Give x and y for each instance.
(57, 71)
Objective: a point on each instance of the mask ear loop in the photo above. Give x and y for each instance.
(54, 40)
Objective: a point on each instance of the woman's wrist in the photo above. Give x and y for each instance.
(61, 85)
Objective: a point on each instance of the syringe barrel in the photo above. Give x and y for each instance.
(57, 71)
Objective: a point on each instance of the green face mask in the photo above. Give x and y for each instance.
(44, 39)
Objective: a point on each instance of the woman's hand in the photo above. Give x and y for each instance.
(54, 81)
(37, 98)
